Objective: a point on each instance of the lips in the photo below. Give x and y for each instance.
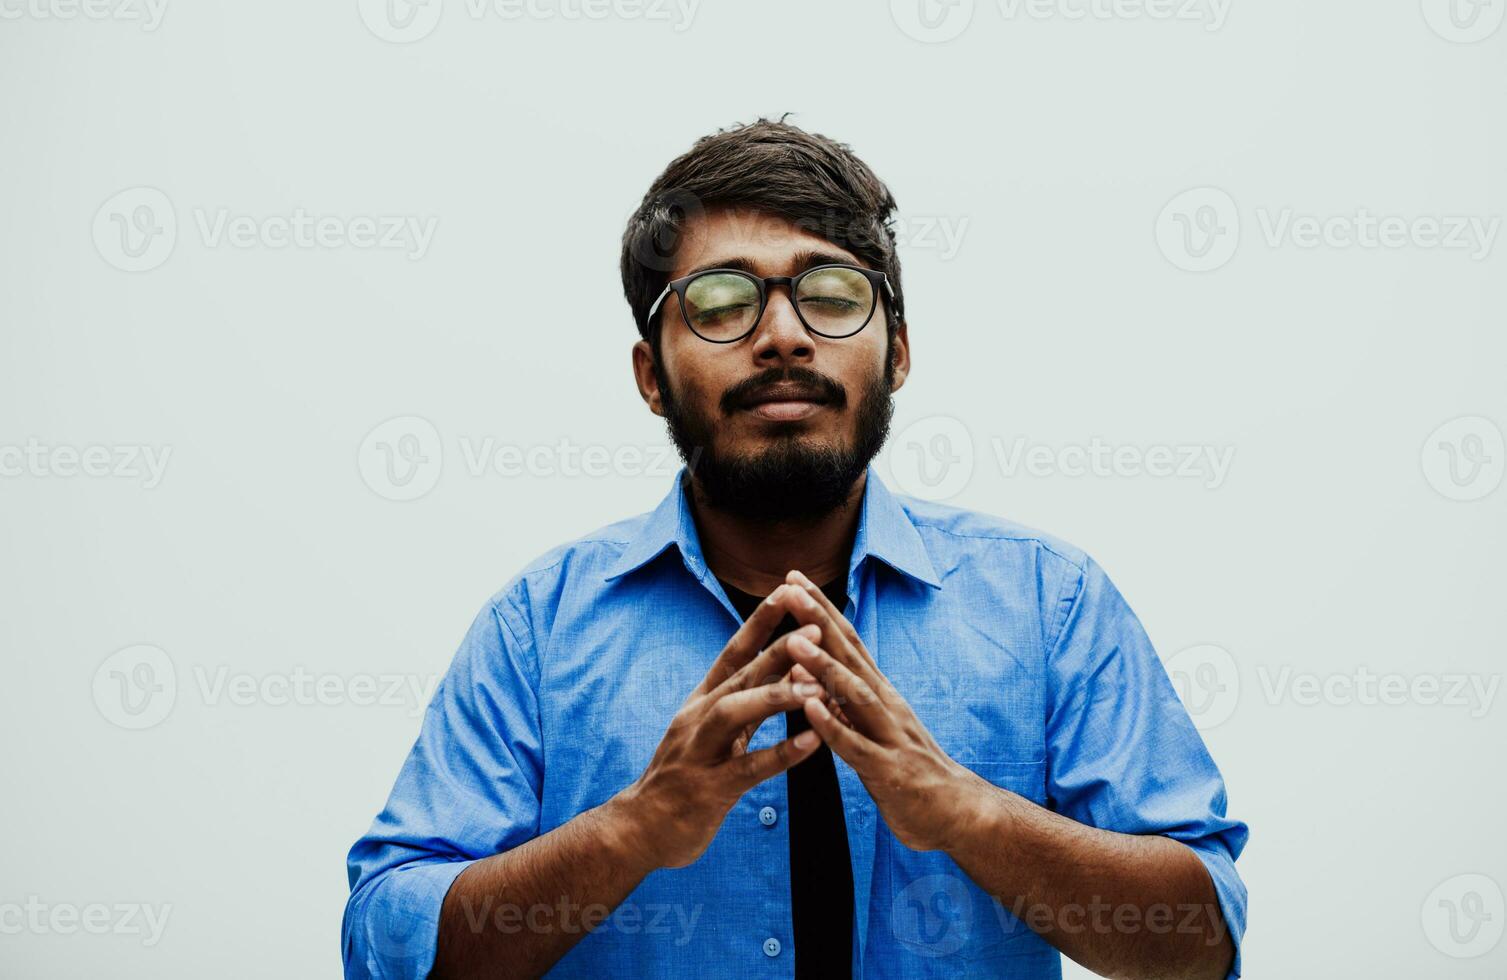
(785, 393)
(785, 402)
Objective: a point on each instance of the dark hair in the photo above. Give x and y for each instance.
(770, 166)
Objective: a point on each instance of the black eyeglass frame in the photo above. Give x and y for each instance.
(678, 287)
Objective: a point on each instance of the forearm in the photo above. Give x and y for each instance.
(1121, 905)
(515, 914)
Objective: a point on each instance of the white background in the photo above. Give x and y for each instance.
(270, 550)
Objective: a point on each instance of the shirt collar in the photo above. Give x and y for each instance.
(885, 531)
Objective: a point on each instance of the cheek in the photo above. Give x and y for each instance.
(692, 381)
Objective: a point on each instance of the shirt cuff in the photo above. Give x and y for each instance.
(394, 927)
(1232, 896)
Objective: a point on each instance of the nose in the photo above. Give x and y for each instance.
(781, 337)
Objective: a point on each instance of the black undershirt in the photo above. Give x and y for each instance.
(821, 872)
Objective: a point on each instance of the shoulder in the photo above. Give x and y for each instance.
(955, 532)
(537, 588)
(1009, 562)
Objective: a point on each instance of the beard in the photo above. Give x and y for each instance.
(790, 480)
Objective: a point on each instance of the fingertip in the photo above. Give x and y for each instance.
(806, 740)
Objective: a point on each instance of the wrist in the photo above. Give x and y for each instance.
(974, 812)
(629, 830)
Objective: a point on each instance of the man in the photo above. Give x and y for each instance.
(980, 760)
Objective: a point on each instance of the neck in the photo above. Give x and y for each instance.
(755, 556)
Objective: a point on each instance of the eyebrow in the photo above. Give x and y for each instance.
(802, 261)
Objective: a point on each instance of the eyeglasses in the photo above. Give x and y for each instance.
(723, 306)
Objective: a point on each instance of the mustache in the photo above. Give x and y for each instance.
(740, 394)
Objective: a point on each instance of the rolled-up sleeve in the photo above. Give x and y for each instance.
(1123, 753)
(469, 789)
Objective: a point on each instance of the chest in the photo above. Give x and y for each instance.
(613, 676)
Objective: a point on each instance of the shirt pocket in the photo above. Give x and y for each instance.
(937, 912)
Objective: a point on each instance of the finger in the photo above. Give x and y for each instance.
(856, 749)
(748, 771)
(740, 744)
(801, 675)
(844, 627)
(796, 674)
(852, 692)
(810, 605)
(771, 663)
(737, 709)
(746, 641)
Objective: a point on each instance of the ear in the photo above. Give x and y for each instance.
(901, 356)
(643, 376)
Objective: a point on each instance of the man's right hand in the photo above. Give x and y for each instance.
(702, 765)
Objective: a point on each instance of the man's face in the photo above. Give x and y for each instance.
(778, 425)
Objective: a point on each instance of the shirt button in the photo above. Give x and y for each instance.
(771, 947)
(767, 817)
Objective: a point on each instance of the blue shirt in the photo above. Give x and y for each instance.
(1012, 647)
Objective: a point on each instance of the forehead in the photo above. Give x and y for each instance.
(767, 241)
